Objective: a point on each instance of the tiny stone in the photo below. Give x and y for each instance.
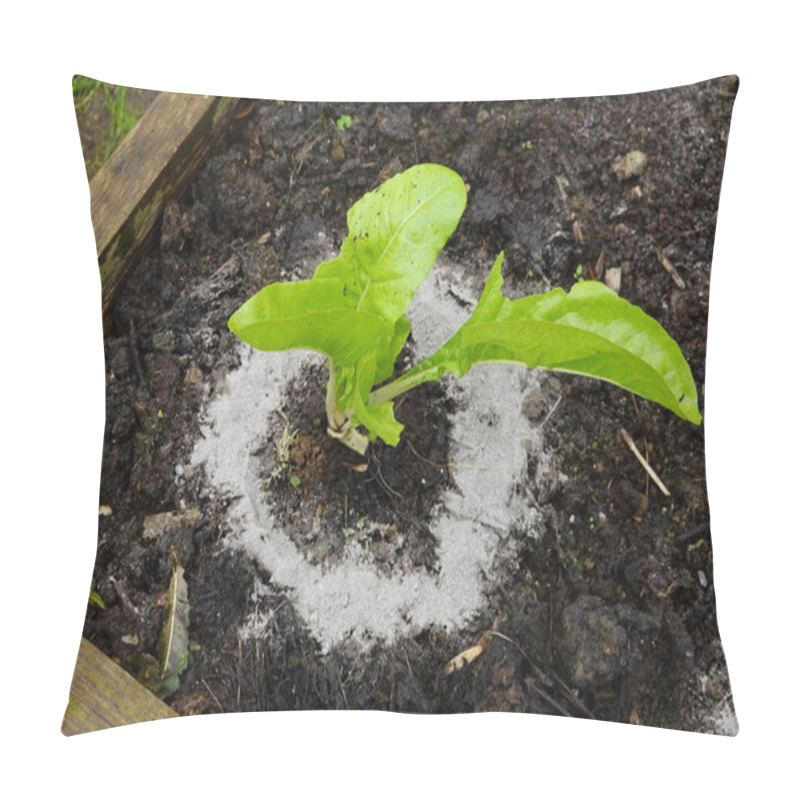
(156, 525)
(715, 688)
(631, 165)
(193, 374)
(533, 403)
(338, 153)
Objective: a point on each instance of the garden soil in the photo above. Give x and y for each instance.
(511, 553)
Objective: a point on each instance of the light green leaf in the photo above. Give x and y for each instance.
(377, 418)
(96, 600)
(590, 331)
(353, 385)
(394, 236)
(386, 358)
(310, 315)
(352, 309)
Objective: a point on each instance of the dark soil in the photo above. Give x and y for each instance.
(362, 500)
(617, 560)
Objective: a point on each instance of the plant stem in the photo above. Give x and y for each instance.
(336, 419)
(402, 384)
(339, 425)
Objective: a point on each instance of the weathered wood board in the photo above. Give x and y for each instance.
(152, 165)
(103, 696)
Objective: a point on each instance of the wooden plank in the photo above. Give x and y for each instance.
(150, 166)
(103, 696)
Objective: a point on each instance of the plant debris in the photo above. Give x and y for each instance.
(173, 644)
(469, 655)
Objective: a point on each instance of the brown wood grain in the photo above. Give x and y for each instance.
(151, 165)
(103, 696)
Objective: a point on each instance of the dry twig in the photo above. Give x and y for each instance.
(628, 439)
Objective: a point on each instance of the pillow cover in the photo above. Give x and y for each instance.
(532, 540)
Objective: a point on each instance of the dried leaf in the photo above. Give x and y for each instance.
(354, 467)
(673, 273)
(173, 643)
(469, 655)
(613, 278)
(463, 658)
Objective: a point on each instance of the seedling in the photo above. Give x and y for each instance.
(284, 455)
(353, 311)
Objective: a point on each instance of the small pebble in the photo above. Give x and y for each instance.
(193, 374)
(338, 153)
(631, 165)
(170, 522)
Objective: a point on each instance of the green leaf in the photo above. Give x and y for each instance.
(310, 315)
(590, 331)
(355, 303)
(394, 236)
(353, 308)
(386, 358)
(353, 385)
(353, 311)
(377, 418)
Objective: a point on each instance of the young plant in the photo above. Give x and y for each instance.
(353, 311)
